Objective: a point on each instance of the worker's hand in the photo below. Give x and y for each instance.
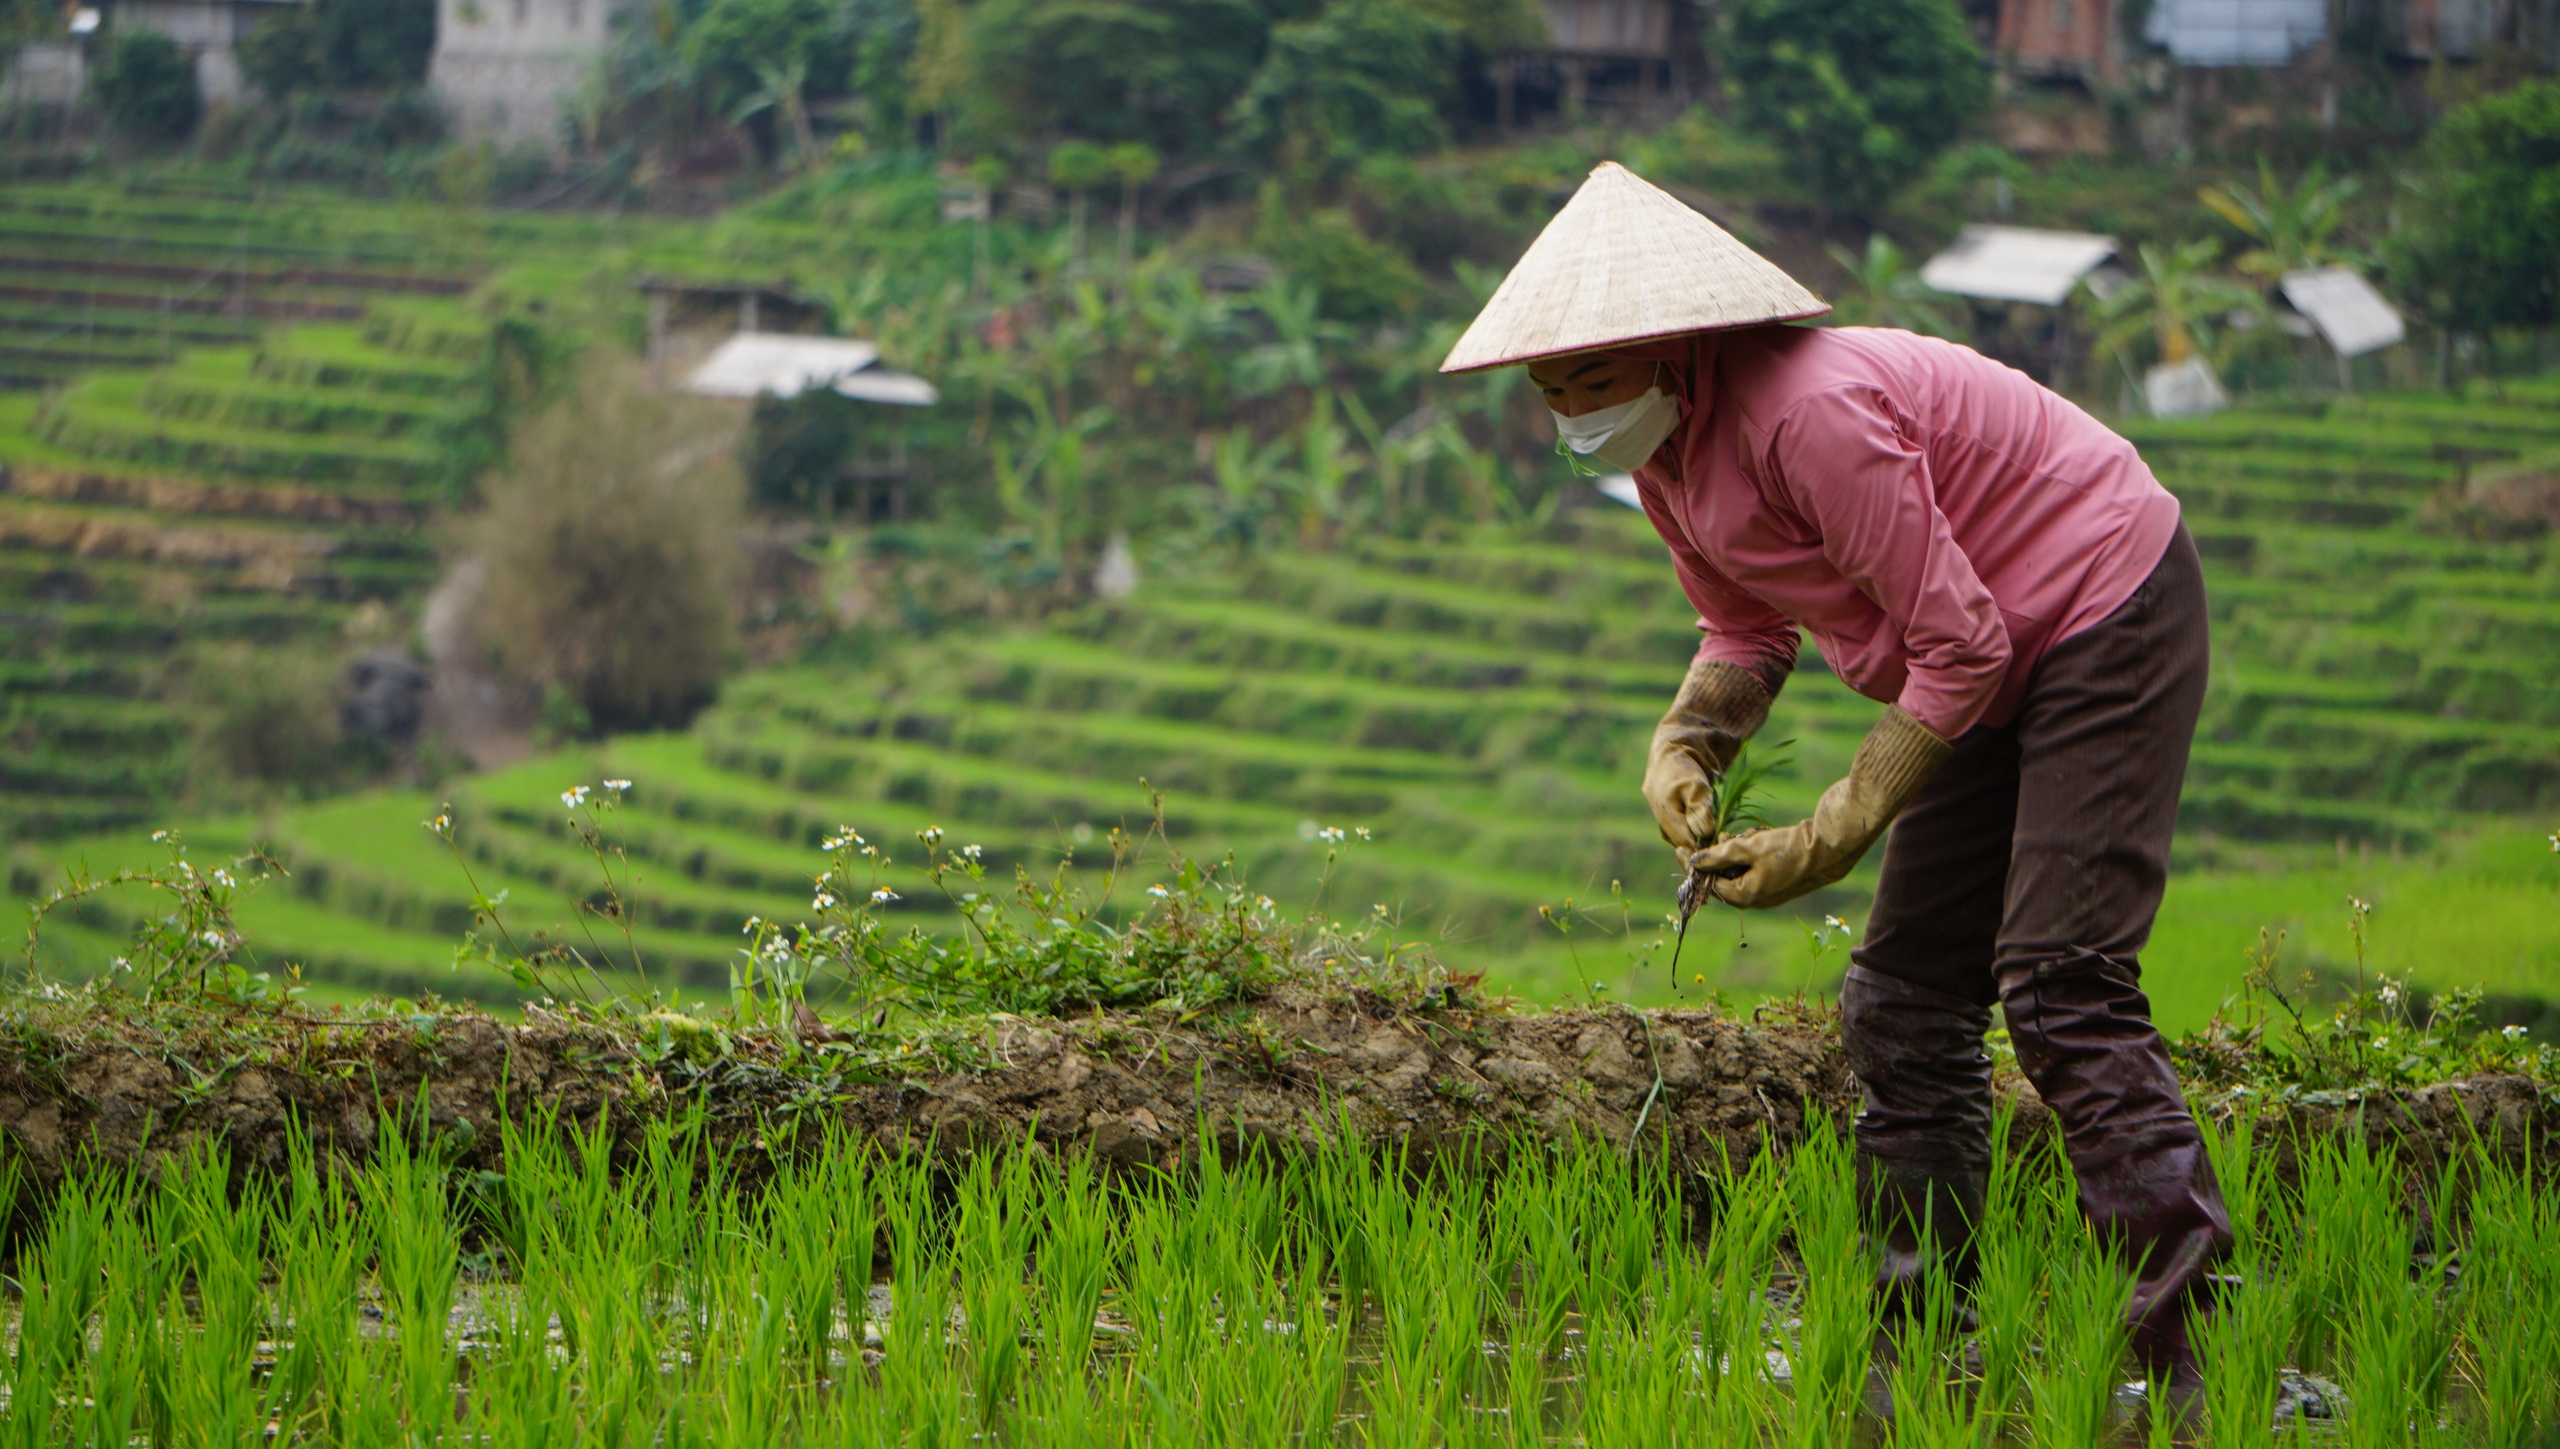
(1764, 868)
(1718, 707)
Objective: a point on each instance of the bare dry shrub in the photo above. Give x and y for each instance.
(609, 546)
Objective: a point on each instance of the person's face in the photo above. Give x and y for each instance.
(1588, 381)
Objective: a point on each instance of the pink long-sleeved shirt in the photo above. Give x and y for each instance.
(1936, 520)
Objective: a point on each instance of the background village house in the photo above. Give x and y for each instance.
(53, 74)
(509, 71)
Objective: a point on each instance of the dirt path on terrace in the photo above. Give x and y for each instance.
(1130, 1087)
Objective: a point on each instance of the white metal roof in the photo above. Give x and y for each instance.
(2017, 263)
(2348, 311)
(754, 363)
(2236, 32)
(880, 385)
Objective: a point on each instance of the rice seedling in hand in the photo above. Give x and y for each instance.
(1735, 805)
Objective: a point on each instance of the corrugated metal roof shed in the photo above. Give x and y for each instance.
(880, 385)
(753, 363)
(2017, 263)
(2236, 32)
(2354, 317)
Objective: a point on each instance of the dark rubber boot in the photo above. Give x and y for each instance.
(2084, 1036)
(1924, 1133)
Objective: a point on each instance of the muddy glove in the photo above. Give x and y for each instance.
(1771, 867)
(1719, 706)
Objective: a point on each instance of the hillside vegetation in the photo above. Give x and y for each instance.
(1479, 704)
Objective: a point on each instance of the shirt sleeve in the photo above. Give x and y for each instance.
(1740, 629)
(1843, 459)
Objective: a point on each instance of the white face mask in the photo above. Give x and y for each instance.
(1624, 435)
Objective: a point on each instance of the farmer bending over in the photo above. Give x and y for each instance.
(2007, 576)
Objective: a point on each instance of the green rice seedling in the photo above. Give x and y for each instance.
(1528, 1242)
(2012, 1247)
(1538, 1202)
(220, 1250)
(1741, 1263)
(916, 1369)
(320, 1252)
(2397, 1334)
(1074, 1263)
(1638, 1381)
(1320, 1352)
(676, 1175)
(417, 1260)
(1836, 1301)
(59, 1284)
(1739, 794)
(2349, 1214)
(121, 1398)
(2246, 1176)
(2510, 1303)
(2240, 1346)
(521, 1399)
(1625, 1228)
(815, 1226)
(1927, 1347)
(994, 1224)
(2071, 1384)
(745, 1361)
(1427, 1337)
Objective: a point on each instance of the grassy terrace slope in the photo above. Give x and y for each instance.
(1481, 704)
(225, 421)
(230, 415)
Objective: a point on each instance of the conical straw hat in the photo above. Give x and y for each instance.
(1623, 262)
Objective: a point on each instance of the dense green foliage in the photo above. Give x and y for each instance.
(1364, 78)
(1861, 92)
(339, 45)
(2482, 248)
(147, 86)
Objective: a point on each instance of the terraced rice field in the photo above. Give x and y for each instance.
(1481, 703)
(223, 420)
(823, 1292)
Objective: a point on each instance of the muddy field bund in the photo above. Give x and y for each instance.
(1692, 1087)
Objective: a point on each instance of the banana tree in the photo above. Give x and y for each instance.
(1884, 292)
(1302, 340)
(782, 87)
(2174, 301)
(2294, 230)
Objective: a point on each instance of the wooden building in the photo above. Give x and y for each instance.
(1634, 59)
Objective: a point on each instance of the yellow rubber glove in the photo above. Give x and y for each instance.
(1719, 706)
(1897, 757)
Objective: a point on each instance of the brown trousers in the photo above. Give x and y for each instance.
(2049, 835)
(2026, 876)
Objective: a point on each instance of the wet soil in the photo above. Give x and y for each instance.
(1133, 1088)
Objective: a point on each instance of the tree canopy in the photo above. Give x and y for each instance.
(2482, 246)
(335, 45)
(148, 86)
(1862, 93)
